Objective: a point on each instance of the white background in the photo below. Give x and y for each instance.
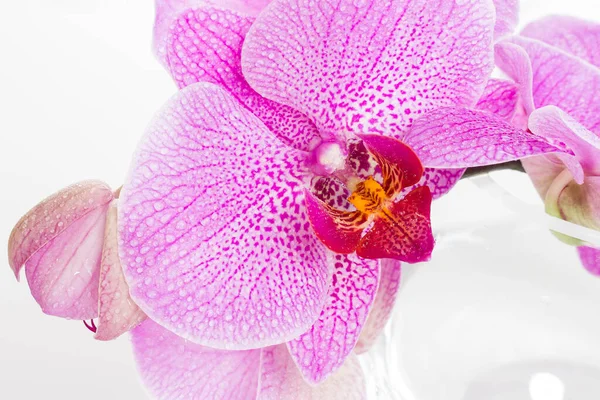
(78, 84)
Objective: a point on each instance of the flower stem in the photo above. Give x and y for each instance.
(511, 165)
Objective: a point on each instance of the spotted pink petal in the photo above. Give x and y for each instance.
(514, 61)
(439, 181)
(280, 379)
(168, 10)
(554, 124)
(370, 66)
(381, 310)
(205, 45)
(214, 238)
(458, 138)
(174, 368)
(590, 258)
(500, 97)
(323, 349)
(59, 242)
(575, 36)
(117, 312)
(563, 80)
(402, 231)
(507, 17)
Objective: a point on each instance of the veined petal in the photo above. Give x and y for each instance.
(563, 80)
(214, 237)
(323, 349)
(339, 230)
(404, 232)
(576, 36)
(174, 368)
(370, 66)
(514, 61)
(389, 283)
(116, 310)
(507, 17)
(51, 217)
(168, 10)
(399, 164)
(500, 97)
(439, 181)
(205, 45)
(552, 123)
(590, 258)
(281, 380)
(60, 243)
(459, 138)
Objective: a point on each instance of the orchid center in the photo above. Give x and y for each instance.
(330, 157)
(368, 197)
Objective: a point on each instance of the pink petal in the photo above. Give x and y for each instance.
(507, 17)
(381, 310)
(460, 138)
(281, 380)
(544, 169)
(370, 66)
(214, 237)
(499, 97)
(552, 123)
(563, 80)
(590, 258)
(205, 45)
(168, 10)
(514, 60)
(117, 311)
(51, 217)
(60, 242)
(173, 368)
(323, 349)
(331, 191)
(575, 36)
(439, 181)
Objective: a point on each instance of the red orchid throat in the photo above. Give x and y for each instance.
(380, 227)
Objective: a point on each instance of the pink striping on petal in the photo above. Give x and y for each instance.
(174, 368)
(331, 191)
(459, 138)
(499, 97)
(370, 66)
(213, 233)
(116, 310)
(323, 349)
(51, 217)
(507, 17)
(563, 80)
(439, 180)
(205, 45)
(168, 10)
(590, 258)
(552, 123)
(575, 36)
(515, 62)
(63, 275)
(280, 379)
(381, 310)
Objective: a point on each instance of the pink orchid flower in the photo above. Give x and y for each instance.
(556, 64)
(238, 192)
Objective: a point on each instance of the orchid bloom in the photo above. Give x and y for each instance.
(555, 62)
(297, 145)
